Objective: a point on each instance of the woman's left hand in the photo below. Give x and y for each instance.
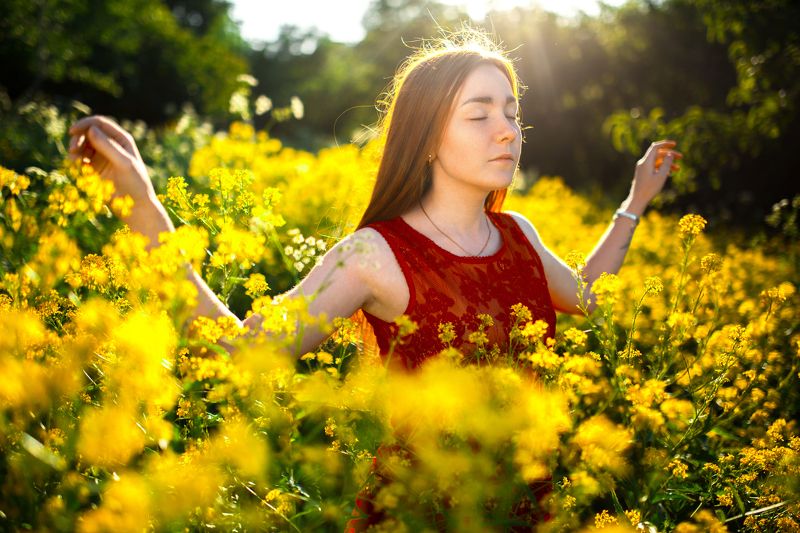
(652, 171)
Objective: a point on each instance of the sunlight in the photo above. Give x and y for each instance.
(477, 9)
(261, 21)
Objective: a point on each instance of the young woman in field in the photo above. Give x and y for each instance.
(433, 242)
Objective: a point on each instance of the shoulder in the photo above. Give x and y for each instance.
(367, 242)
(525, 225)
(365, 253)
(369, 260)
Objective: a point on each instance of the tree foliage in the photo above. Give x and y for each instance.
(719, 77)
(139, 59)
(713, 75)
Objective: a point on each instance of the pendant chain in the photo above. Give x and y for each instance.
(485, 244)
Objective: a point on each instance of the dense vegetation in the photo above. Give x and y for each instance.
(673, 406)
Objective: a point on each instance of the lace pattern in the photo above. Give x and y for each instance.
(444, 287)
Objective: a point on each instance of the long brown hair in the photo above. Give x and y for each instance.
(416, 109)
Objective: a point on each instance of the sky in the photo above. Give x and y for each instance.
(341, 19)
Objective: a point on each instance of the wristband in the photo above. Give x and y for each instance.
(621, 213)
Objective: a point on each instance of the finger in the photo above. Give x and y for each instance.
(82, 125)
(663, 163)
(73, 145)
(665, 151)
(77, 143)
(660, 159)
(108, 147)
(107, 126)
(655, 146)
(664, 143)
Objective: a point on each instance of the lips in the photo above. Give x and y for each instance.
(503, 157)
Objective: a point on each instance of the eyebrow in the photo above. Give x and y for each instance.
(487, 100)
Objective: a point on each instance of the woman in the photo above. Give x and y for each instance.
(435, 244)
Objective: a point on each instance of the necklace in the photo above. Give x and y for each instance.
(449, 238)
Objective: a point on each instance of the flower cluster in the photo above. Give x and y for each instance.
(671, 407)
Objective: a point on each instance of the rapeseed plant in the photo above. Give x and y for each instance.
(672, 407)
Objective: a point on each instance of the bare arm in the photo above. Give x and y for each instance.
(113, 153)
(337, 287)
(608, 255)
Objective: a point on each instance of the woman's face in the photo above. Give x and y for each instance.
(481, 141)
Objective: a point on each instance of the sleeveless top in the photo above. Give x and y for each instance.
(444, 287)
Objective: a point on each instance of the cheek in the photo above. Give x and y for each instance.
(462, 142)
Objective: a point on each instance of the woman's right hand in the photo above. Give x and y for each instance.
(113, 153)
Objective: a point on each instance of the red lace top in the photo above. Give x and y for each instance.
(444, 287)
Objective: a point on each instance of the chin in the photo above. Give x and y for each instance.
(503, 182)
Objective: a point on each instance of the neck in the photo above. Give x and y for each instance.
(459, 211)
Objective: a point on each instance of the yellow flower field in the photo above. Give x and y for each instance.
(673, 407)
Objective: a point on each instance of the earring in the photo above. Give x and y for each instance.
(430, 159)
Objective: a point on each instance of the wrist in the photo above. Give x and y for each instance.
(633, 206)
(149, 218)
(633, 219)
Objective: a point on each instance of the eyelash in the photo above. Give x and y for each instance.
(509, 118)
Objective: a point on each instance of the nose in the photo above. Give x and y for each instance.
(508, 131)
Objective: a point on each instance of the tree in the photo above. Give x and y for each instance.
(738, 153)
(129, 58)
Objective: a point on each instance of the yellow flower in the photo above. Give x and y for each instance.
(325, 358)
(776, 431)
(405, 325)
(238, 445)
(452, 354)
(737, 335)
(97, 425)
(653, 285)
(256, 285)
(603, 444)
(725, 499)
(237, 246)
(681, 321)
(478, 338)
(603, 519)
(177, 193)
(122, 206)
(607, 288)
(710, 263)
(330, 427)
(568, 502)
(212, 330)
(125, 505)
(447, 332)
(575, 260)
(145, 345)
(678, 469)
(634, 516)
(576, 336)
(535, 331)
(520, 313)
(486, 321)
(777, 295)
(16, 183)
(691, 225)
